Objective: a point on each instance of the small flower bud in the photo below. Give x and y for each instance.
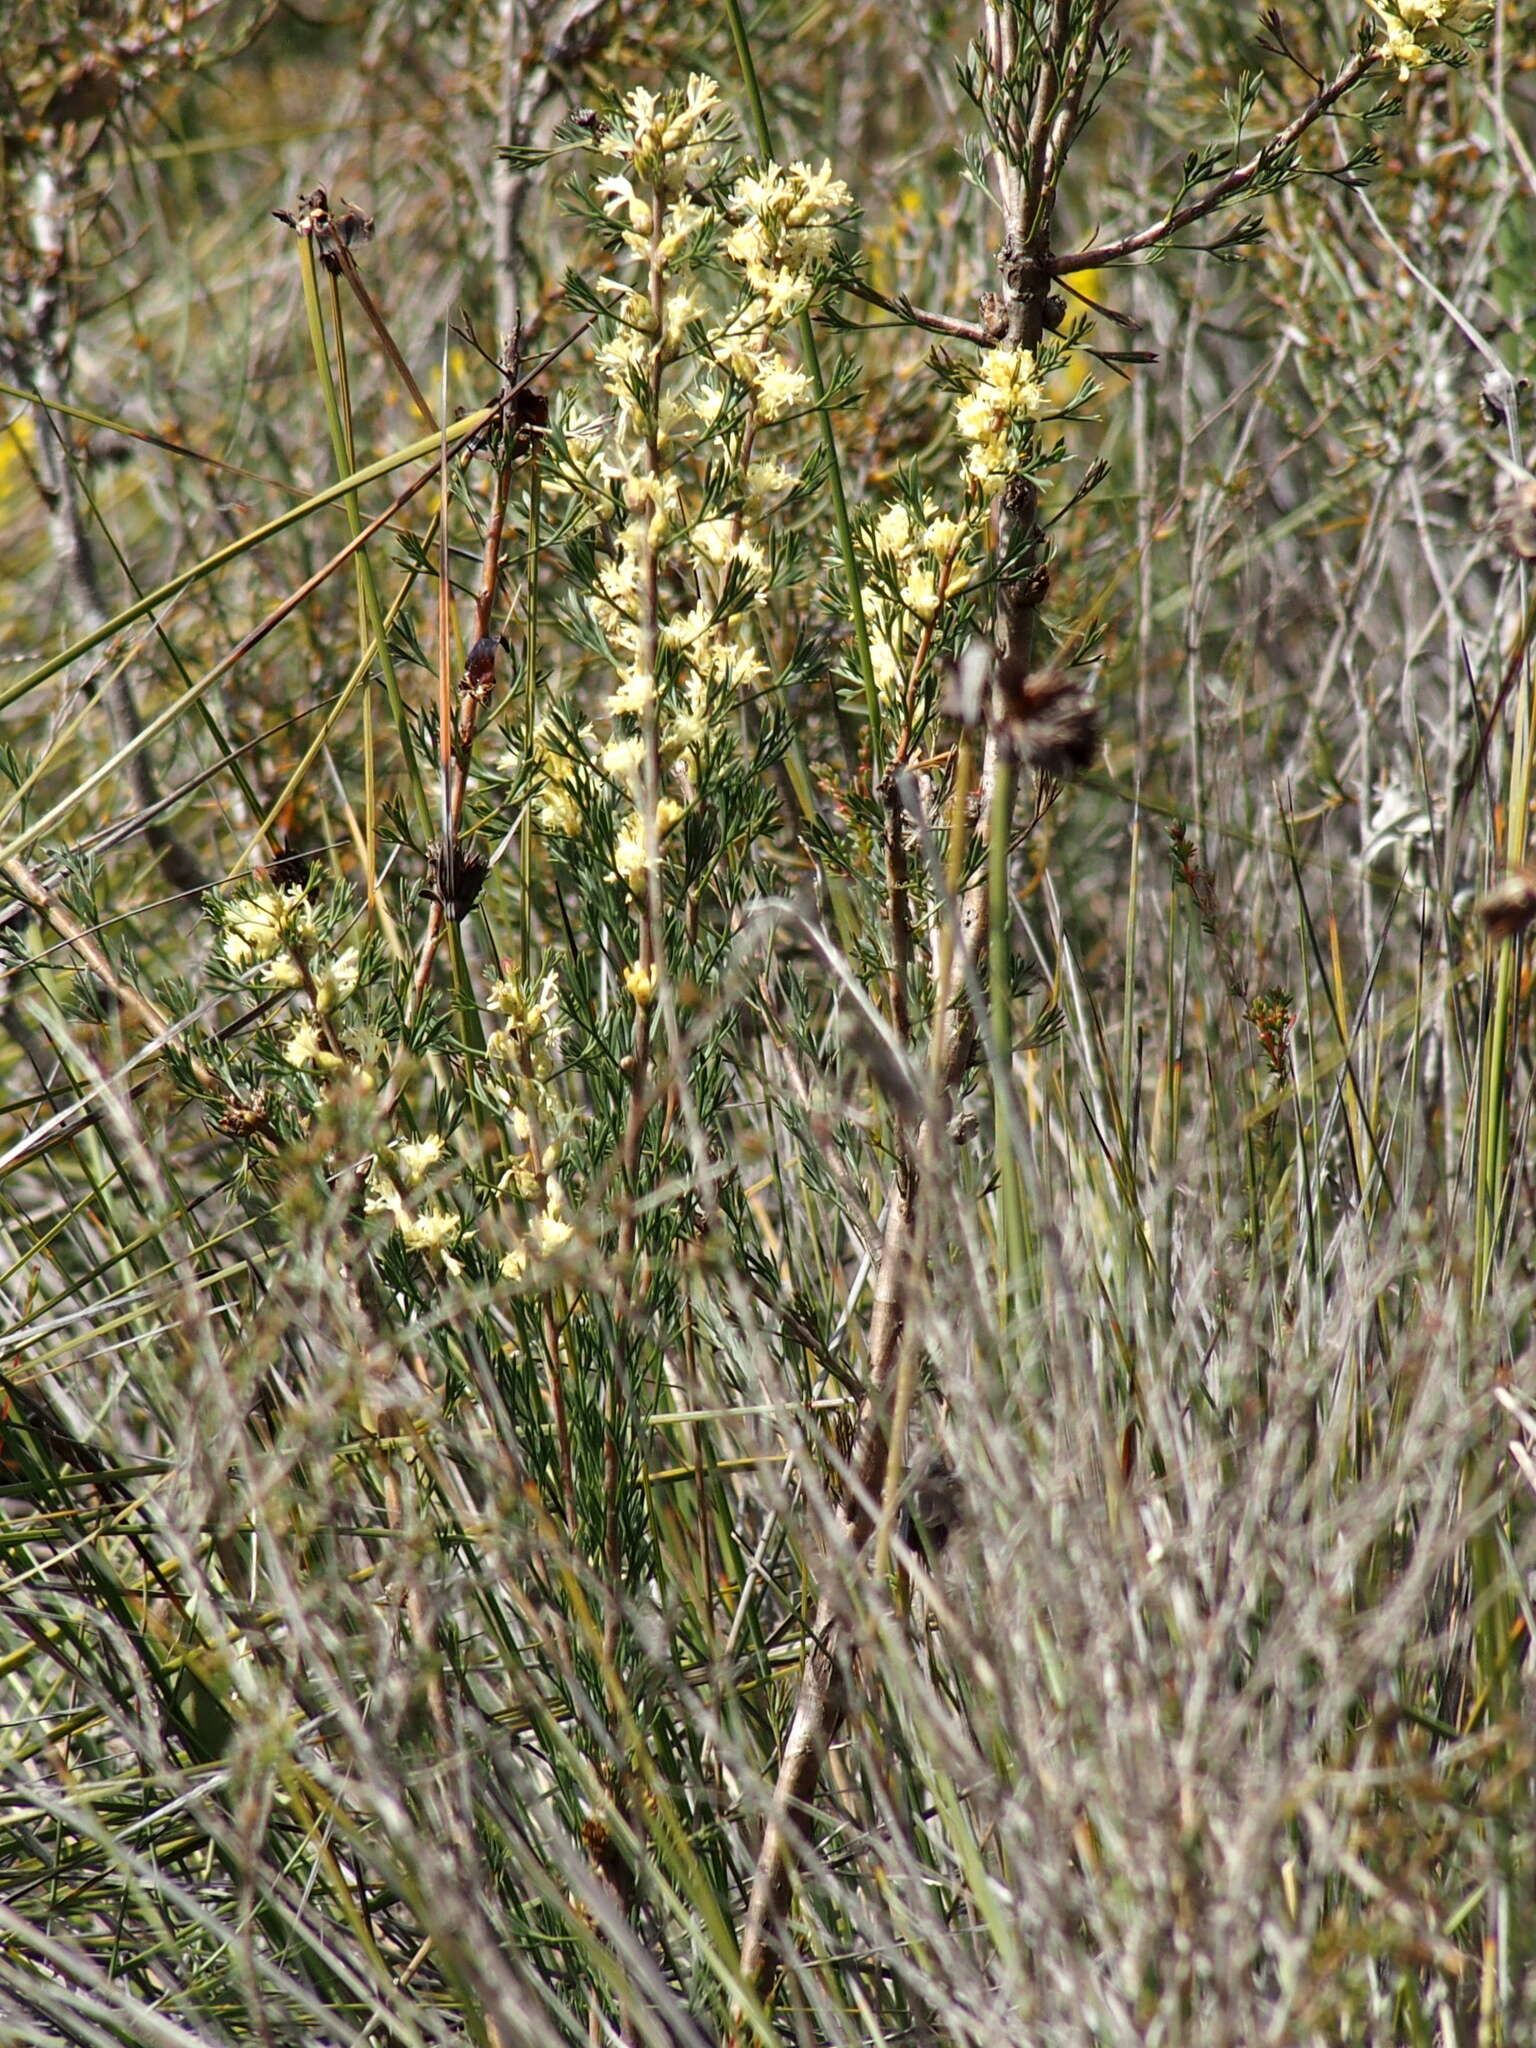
(641, 984)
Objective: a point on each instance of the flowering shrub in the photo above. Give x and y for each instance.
(766, 1276)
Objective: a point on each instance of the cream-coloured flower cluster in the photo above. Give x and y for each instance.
(266, 926)
(784, 229)
(274, 934)
(932, 557)
(993, 419)
(549, 1231)
(399, 1171)
(521, 1057)
(529, 1036)
(691, 389)
(523, 1052)
(554, 806)
(1405, 23)
(274, 931)
(668, 139)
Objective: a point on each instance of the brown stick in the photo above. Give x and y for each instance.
(1236, 180)
(457, 732)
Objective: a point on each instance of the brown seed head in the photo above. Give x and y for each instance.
(455, 878)
(1510, 905)
(246, 1121)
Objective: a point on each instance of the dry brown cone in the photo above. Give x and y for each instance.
(1510, 905)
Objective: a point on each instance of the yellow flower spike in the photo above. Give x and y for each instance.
(641, 984)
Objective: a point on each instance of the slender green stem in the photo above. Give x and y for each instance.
(530, 709)
(341, 436)
(156, 599)
(1492, 1165)
(999, 962)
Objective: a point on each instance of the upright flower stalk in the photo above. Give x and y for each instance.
(715, 259)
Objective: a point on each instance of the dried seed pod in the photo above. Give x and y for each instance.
(455, 878)
(311, 211)
(330, 232)
(480, 664)
(1510, 905)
